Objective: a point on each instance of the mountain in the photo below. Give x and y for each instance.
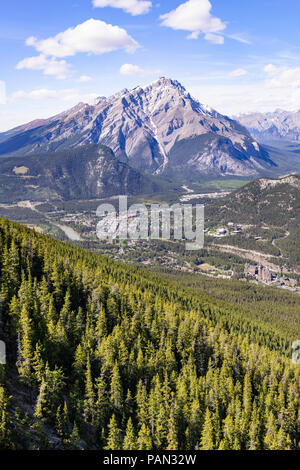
(86, 172)
(104, 356)
(273, 201)
(268, 127)
(159, 129)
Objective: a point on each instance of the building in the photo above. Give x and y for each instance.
(250, 270)
(264, 274)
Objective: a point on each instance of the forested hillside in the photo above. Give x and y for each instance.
(271, 208)
(89, 171)
(105, 356)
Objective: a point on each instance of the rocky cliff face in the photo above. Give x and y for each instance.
(160, 129)
(283, 125)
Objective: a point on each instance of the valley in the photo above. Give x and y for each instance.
(229, 246)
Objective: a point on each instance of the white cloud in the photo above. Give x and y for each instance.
(134, 7)
(130, 69)
(69, 95)
(49, 66)
(84, 79)
(282, 77)
(2, 92)
(195, 16)
(214, 38)
(238, 73)
(92, 36)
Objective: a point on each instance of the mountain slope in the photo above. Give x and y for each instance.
(160, 129)
(87, 172)
(101, 355)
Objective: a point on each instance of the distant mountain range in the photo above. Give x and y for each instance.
(159, 129)
(268, 127)
(87, 172)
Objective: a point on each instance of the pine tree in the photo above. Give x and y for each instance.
(255, 431)
(207, 437)
(116, 390)
(75, 438)
(101, 328)
(229, 433)
(38, 363)
(89, 397)
(103, 406)
(41, 401)
(142, 403)
(247, 395)
(113, 441)
(282, 441)
(4, 420)
(80, 361)
(271, 433)
(172, 434)
(130, 439)
(144, 441)
(25, 353)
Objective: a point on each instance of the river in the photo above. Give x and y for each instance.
(70, 232)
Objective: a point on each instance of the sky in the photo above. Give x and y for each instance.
(235, 56)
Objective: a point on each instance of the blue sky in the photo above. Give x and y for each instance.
(236, 56)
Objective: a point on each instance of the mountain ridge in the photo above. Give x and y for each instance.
(87, 172)
(271, 126)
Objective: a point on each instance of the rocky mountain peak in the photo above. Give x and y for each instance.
(158, 128)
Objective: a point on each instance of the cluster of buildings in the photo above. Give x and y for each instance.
(264, 274)
(231, 229)
(261, 272)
